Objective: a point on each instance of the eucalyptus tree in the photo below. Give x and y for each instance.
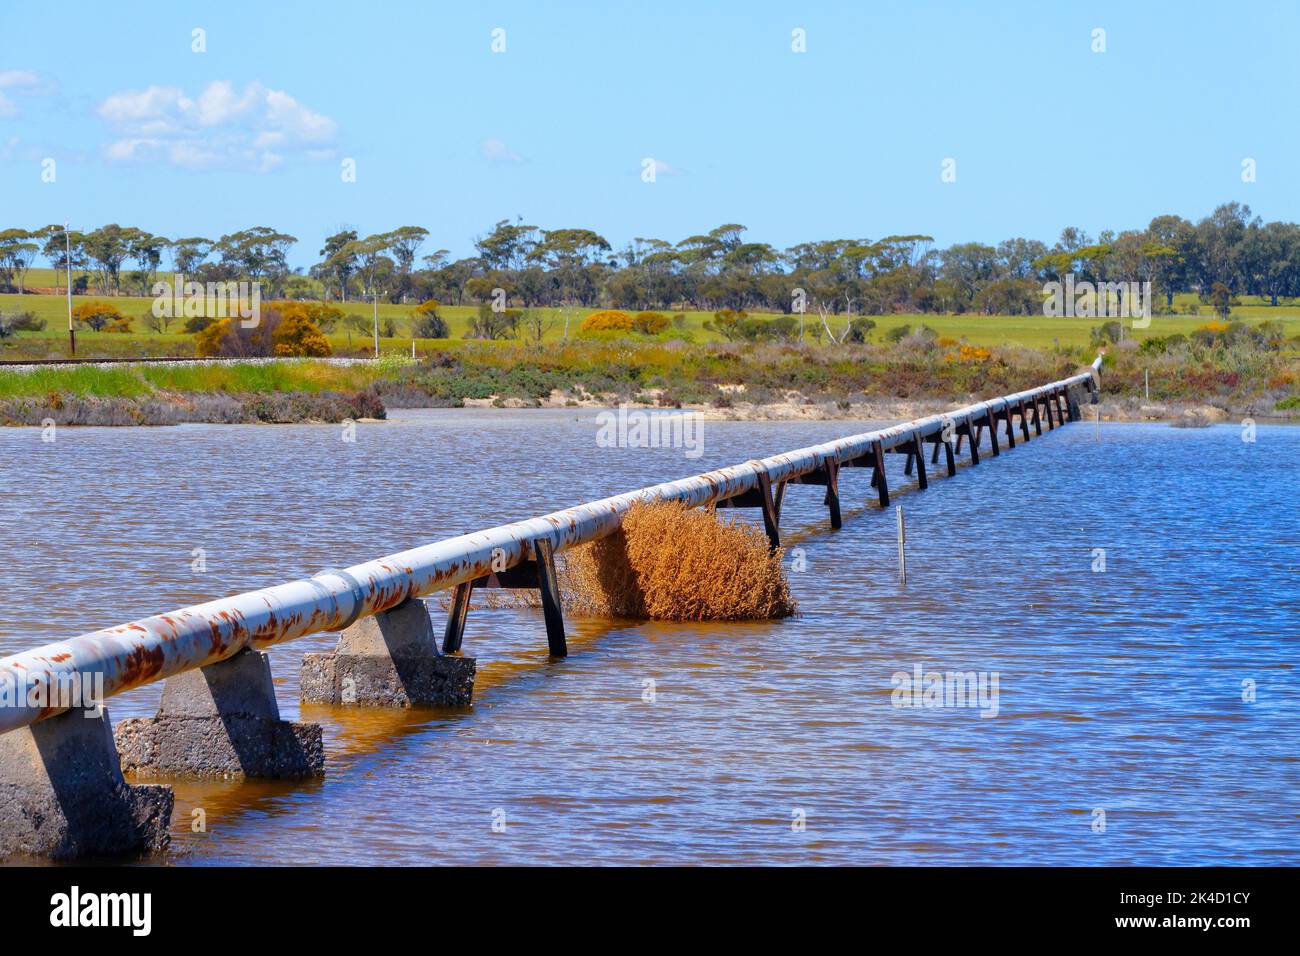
(569, 254)
(1171, 272)
(443, 279)
(17, 250)
(374, 268)
(337, 263)
(507, 247)
(1017, 257)
(259, 254)
(717, 269)
(969, 266)
(64, 249)
(146, 250)
(187, 254)
(1274, 263)
(107, 248)
(1220, 238)
(404, 242)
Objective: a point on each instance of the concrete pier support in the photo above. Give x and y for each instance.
(390, 659)
(62, 793)
(221, 721)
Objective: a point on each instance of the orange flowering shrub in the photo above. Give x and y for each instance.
(970, 353)
(96, 314)
(282, 329)
(297, 334)
(608, 320)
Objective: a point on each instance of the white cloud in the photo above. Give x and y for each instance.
(255, 127)
(496, 151)
(9, 78)
(218, 103)
(18, 83)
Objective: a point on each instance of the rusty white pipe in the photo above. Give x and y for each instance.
(157, 647)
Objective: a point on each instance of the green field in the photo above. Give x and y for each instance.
(1032, 331)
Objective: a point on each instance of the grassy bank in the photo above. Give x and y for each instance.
(165, 395)
(134, 381)
(728, 378)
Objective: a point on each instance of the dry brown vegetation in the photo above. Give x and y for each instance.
(669, 562)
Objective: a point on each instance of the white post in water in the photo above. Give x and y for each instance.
(902, 540)
(72, 334)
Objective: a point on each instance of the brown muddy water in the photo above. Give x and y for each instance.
(1160, 691)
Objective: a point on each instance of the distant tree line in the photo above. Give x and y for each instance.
(1230, 250)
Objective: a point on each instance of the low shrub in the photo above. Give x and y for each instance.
(20, 322)
(284, 329)
(674, 563)
(427, 323)
(649, 323)
(607, 320)
(858, 329)
(490, 324)
(297, 335)
(96, 314)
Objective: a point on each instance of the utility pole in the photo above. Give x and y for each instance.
(72, 333)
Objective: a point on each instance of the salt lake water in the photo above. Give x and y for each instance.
(1159, 694)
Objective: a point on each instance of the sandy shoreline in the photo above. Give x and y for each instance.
(795, 408)
(324, 408)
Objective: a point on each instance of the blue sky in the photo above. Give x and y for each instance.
(846, 139)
